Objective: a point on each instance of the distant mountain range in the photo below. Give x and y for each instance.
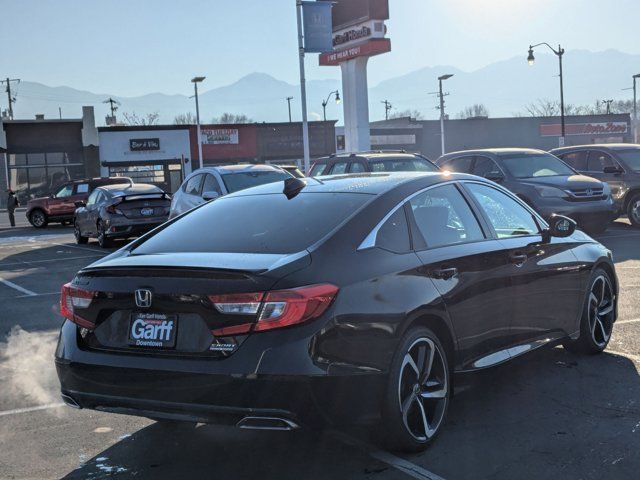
(504, 87)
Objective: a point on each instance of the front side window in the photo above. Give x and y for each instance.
(339, 168)
(92, 198)
(82, 188)
(508, 217)
(599, 160)
(443, 217)
(357, 167)
(393, 235)
(239, 181)
(485, 167)
(192, 187)
(535, 165)
(65, 191)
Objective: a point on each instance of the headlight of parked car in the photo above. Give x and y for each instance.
(550, 192)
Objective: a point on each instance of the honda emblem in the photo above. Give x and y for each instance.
(143, 298)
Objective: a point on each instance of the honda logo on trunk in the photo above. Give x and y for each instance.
(143, 298)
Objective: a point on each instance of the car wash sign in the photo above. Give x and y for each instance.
(220, 136)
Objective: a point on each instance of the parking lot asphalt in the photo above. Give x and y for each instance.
(550, 414)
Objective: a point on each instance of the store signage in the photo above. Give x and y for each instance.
(373, 46)
(351, 12)
(144, 144)
(220, 136)
(601, 128)
(350, 36)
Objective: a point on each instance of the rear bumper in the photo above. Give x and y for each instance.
(211, 390)
(117, 230)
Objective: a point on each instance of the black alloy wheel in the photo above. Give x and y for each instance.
(418, 392)
(598, 316)
(633, 210)
(103, 240)
(80, 239)
(38, 218)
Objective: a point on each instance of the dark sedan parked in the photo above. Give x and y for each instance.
(618, 164)
(543, 181)
(352, 298)
(120, 211)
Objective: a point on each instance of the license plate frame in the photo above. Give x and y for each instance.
(152, 330)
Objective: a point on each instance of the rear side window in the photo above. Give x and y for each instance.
(485, 166)
(317, 169)
(394, 233)
(357, 167)
(599, 160)
(444, 218)
(460, 165)
(339, 168)
(211, 184)
(82, 188)
(256, 224)
(239, 181)
(577, 160)
(508, 217)
(192, 187)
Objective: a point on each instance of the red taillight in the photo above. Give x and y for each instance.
(280, 308)
(71, 298)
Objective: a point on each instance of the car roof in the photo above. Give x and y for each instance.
(372, 155)
(242, 168)
(121, 189)
(611, 146)
(495, 151)
(366, 183)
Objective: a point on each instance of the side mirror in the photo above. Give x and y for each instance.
(212, 195)
(80, 204)
(560, 226)
(611, 169)
(494, 176)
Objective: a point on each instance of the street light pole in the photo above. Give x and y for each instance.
(289, 105)
(635, 110)
(559, 53)
(195, 81)
(303, 92)
(441, 95)
(326, 102)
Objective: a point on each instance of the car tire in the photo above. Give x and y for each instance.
(598, 314)
(418, 392)
(633, 210)
(38, 218)
(80, 239)
(103, 240)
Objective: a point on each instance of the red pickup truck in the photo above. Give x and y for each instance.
(59, 206)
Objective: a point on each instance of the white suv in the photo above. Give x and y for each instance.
(211, 182)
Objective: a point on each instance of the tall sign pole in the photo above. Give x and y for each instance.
(303, 92)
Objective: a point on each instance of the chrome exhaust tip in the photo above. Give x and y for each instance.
(70, 401)
(267, 423)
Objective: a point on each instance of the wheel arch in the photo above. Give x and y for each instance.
(441, 327)
(606, 266)
(628, 196)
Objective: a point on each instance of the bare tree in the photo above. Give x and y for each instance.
(184, 119)
(232, 118)
(140, 120)
(477, 110)
(413, 114)
(543, 107)
(551, 108)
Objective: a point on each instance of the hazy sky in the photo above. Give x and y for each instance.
(132, 47)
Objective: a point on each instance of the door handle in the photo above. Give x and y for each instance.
(518, 258)
(445, 273)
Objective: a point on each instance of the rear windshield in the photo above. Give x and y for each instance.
(529, 166)
(256, 224)
(240, 181)
(402, 165)
(631, 157)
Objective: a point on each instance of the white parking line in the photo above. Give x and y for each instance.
(623, 322)
(29, 262)
(405, 466)
(18, 287)
(16, 411)
(38, 295)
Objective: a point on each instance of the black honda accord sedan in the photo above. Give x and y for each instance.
(339, 299)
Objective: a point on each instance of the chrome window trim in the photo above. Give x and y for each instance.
(370, 240)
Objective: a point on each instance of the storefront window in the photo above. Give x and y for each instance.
(17, 159)
(35, 159)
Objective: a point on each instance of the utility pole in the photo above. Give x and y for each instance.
(112, 104)
(635, 109)
(289, 105)
(441, 96)
(11, 99)
(196, 81)
(387, 108)
(608, 104)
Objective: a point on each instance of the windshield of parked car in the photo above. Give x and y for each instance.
(535, 165)
(402, 165)
(241, 180)
(631, 158)
(256, 224)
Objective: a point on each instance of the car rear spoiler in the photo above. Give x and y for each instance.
(141, 196)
